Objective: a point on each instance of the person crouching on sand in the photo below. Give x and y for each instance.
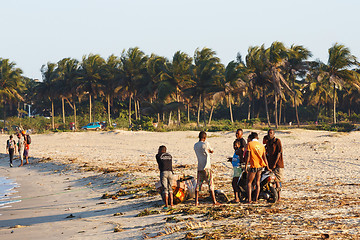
(203, 150)
(164, 161)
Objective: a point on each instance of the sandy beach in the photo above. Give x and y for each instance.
(61, 189)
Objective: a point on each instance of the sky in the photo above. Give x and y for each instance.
(39, 31)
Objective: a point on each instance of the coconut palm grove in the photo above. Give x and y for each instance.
(273, 86)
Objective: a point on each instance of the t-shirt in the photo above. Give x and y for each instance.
(235, 160)
(273, 147)
(10, 144)
(242, 145)
(202, 150)
(164, 161)
(256, 151)
(21, 143)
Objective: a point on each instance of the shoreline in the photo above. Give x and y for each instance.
(318, 198)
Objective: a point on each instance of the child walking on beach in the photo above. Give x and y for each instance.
(164, 161)
(11, 148)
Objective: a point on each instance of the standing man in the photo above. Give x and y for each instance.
(164, 161)
(203, 150)
(257, 158)
(275, 157)
(21, 147)
(11, 149)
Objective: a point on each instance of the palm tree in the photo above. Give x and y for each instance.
(296, 66)
(205, 73)
(48, 87)
(233, 83)
(10, 83)
(134, 70)
(256, 76)
(111, 78)
(276, 58)
(90, 69)
(176, 76)
(69, 82)
(337, 72)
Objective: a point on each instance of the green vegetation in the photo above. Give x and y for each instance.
(270, 87)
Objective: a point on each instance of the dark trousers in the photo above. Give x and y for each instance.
(11, 154)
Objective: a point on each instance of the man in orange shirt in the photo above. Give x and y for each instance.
(257, 157)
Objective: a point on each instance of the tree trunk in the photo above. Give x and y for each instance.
(4, 115)
(63, 110)
(178, 110)
(163, 118)
(204, 116)
(188, 112)
(296, 111)
(266, 108)
(198, 115)
(169, 118)
(280, 107)
(139, 112)
(19, 110)
(334, 111)
(318, 112)
(75, 116)
(136, 109)
(276, 110)
(108, 108)
(130, 110)
(158, 118)
(230, 109)
(90, 107)
(211, 113)
(249, 111)
(52, 115)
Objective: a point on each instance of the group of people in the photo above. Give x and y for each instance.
(23, 147)
(254, 155)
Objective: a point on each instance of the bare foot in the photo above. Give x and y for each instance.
(20, 165)
(217, 204)
(197, 204)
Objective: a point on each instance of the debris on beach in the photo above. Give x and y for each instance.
(70, 216)
(118, 214)
(18, 226)
(118, 229)
(147, 212)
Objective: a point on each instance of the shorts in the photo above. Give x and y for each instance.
(237, 171)
(204, 175)
(166, 178)
(278, 173)
(255, 170)
(26, 152)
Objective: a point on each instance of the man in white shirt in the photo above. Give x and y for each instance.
(203, 150)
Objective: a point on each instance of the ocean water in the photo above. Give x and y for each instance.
(7, 190)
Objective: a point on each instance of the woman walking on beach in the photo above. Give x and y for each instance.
(11, 148)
